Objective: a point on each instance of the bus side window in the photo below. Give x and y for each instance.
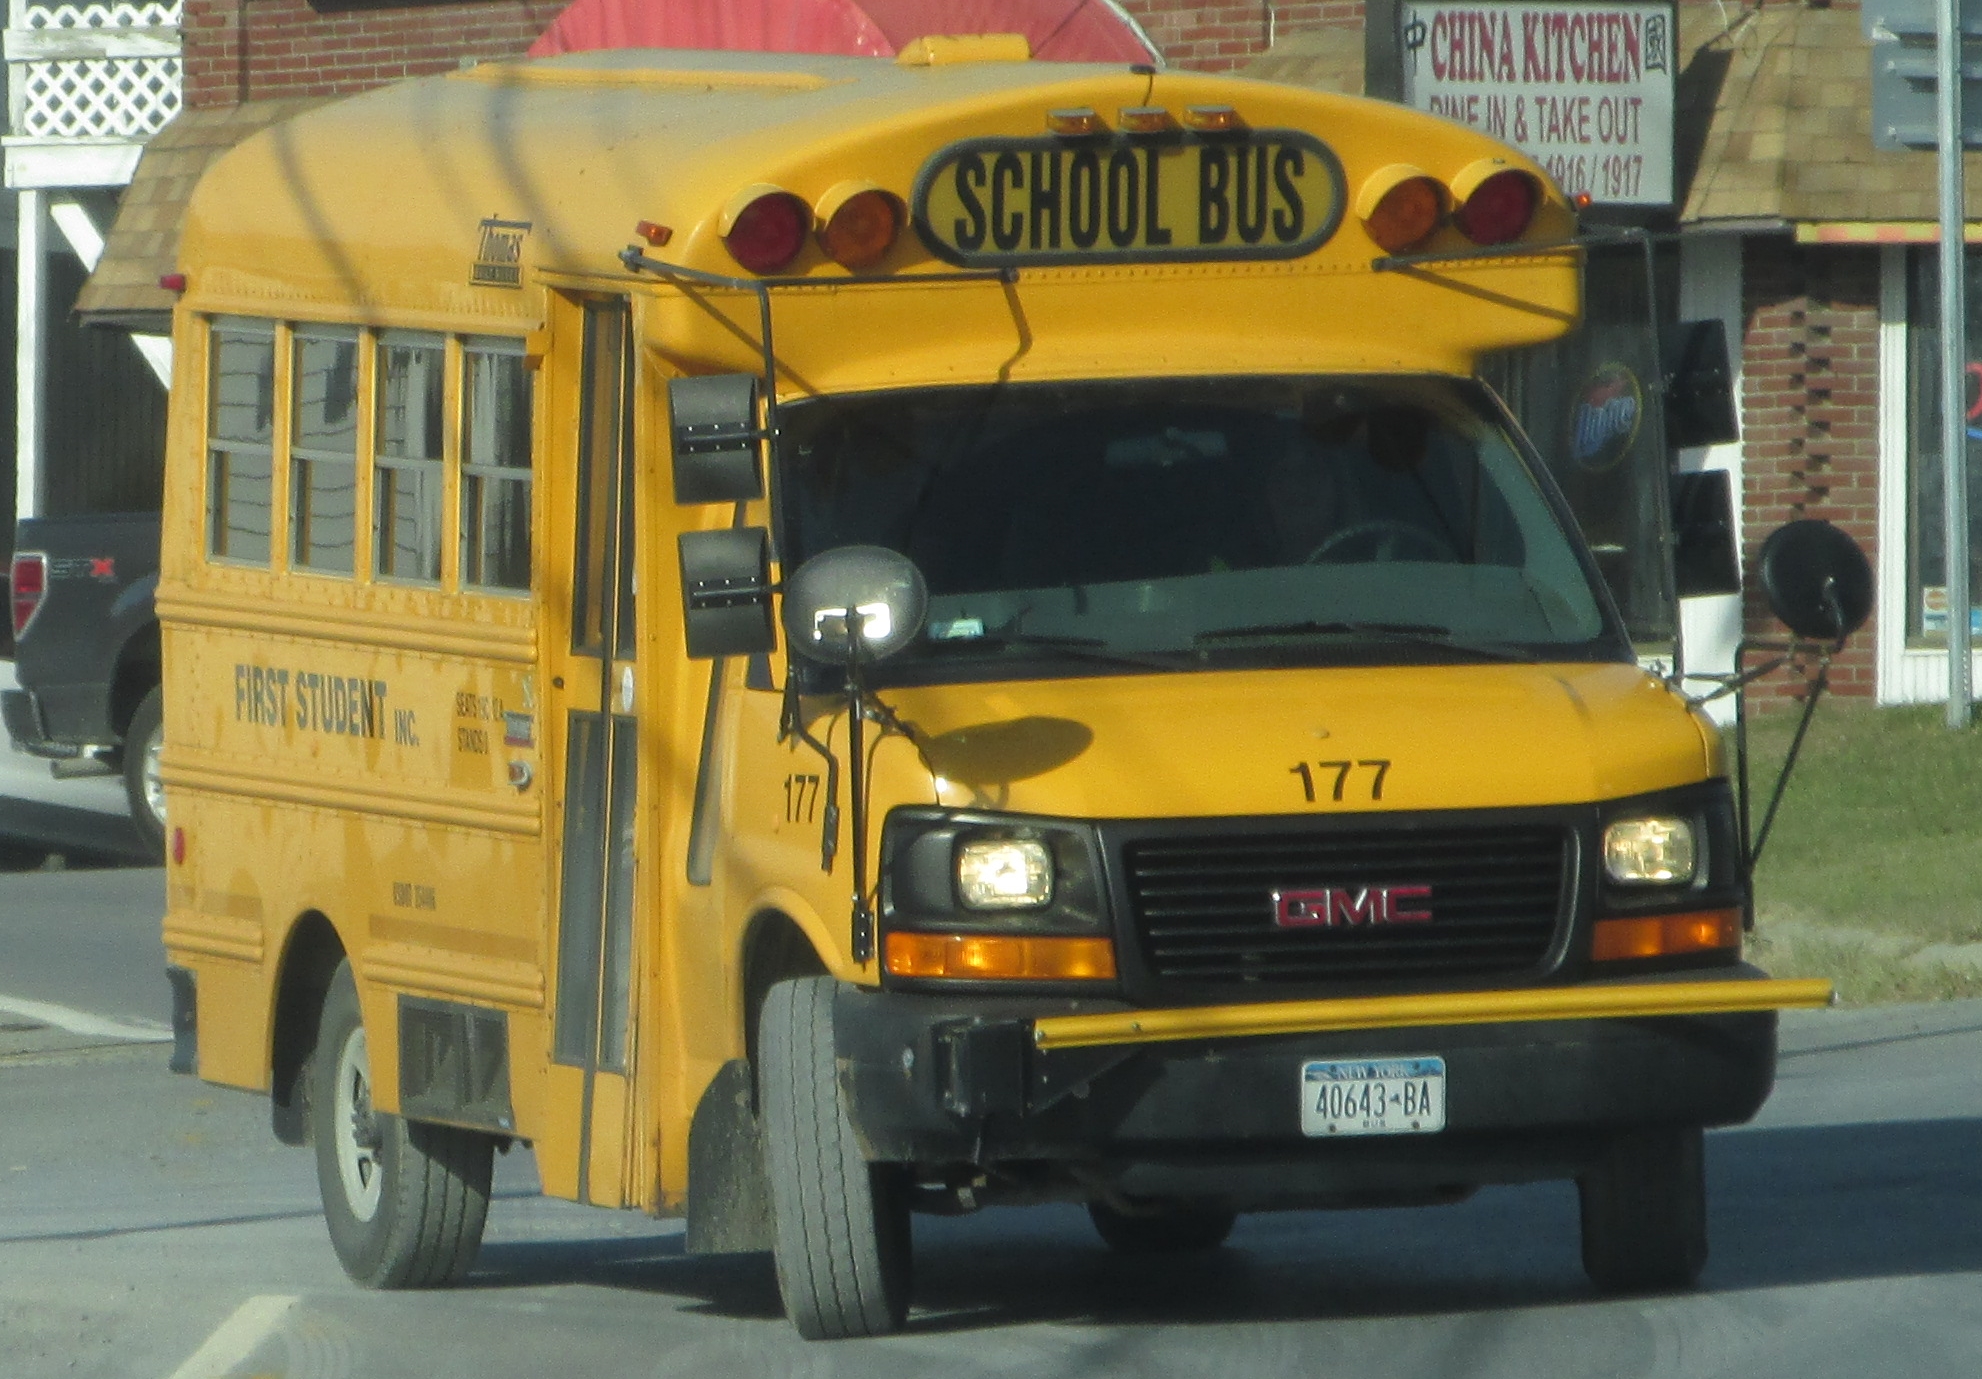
(323, 449)
(241, 441)
(407, 492)
(495, 465)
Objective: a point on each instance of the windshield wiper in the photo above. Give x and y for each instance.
(1412, 633)
(1088, 648)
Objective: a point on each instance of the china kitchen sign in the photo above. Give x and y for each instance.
(1584, 89)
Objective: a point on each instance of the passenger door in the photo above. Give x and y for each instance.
(591, 671)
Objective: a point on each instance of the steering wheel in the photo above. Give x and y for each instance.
(1381, 538)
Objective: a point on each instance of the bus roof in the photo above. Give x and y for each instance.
(380, 208)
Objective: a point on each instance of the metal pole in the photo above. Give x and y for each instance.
(1954, 354)
(30, 348)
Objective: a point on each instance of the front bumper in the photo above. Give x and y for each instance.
(1206, 1102)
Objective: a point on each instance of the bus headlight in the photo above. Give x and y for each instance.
(1004, 874)
(1650, 851)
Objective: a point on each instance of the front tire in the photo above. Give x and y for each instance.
(142, 787)
(1645, 1212)
(843, 1248)
(1164, 1228)
(405, 1201)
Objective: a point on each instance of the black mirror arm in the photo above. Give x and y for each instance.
(1752, 845)
(856, 697)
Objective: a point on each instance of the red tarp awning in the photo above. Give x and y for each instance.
(1059, 30)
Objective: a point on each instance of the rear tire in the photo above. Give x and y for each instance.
(1166, 1228)
(1645, 1212)
(843, 1247)
(405, 1201)
(142, 787)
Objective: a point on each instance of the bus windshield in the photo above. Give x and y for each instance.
(1104, 526)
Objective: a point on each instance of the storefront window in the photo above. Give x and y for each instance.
(1589, 402)
(1926, 541)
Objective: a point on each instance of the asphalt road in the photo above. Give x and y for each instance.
(150, 1228)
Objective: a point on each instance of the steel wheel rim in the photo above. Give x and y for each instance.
(154, 783)
(358, 1165)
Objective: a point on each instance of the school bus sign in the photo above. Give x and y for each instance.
(1255, 194)
(1583, 89)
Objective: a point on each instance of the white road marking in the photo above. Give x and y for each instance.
(82, 1022)
(253, 1322)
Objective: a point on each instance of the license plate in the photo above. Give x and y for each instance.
(1373, 1096)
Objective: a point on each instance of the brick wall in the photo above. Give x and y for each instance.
(1810, 405)
(1218, 37)
(238, 50)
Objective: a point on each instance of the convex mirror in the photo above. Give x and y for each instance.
(865, 599)
(1818, 582)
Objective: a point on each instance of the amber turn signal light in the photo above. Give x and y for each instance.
(1664, 936)
(858, 223)
(1400, 206)
(983, 956)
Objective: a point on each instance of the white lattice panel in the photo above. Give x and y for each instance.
(118, 16)
(130, 98)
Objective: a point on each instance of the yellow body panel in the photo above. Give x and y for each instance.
(1454, 737)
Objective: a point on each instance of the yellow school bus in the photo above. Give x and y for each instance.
(820, 639)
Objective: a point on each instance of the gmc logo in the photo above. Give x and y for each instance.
(1352, 907)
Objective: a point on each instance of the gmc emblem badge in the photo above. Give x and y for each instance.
(1352, 907)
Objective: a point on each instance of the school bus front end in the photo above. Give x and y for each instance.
(997, 652)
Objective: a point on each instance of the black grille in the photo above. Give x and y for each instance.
(1204, 908)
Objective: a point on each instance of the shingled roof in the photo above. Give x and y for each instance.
(143, 243)
(1773, 115)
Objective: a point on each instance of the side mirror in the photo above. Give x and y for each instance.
(1699, 386)
(854, 602)
(1704, 558)
(716, 439)
(726, 592)
(1818, 582)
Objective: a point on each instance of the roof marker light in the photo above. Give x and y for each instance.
(1213, 119)
(173, 282)
(654, 233)
(858, 223)
(764, 227)
(1074, 123)
(1146, 119)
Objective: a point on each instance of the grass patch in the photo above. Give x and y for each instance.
(1869, 876)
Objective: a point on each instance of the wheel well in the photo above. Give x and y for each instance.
(776, 951)
(307, 966)
(135, 677)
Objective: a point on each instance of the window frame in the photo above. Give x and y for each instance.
(471, 473)
(270, 333)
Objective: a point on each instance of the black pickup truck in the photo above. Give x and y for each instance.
(86, 652)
